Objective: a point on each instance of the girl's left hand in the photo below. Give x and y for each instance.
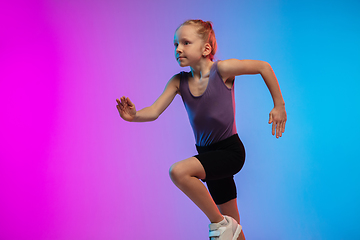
(278, 119)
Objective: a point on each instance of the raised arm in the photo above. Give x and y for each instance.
(234, 67)
(128, 111)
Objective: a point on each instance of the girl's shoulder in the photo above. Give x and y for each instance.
(223, 63)
(177, 78)
(224, 69)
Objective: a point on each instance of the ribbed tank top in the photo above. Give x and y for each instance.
(212, 114)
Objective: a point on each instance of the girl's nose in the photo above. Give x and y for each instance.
(178, 50)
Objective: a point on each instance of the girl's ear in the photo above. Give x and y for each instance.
(207, 50)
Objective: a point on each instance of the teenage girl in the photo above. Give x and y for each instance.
(208, 95)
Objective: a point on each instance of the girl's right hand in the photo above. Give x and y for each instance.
(126, 109)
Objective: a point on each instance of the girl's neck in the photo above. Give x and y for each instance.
(203, 67)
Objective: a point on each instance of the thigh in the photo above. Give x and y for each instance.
(221, 164)
(190, 166)
(222, 190)
(222, 159)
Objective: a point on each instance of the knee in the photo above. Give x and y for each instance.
(176, 173)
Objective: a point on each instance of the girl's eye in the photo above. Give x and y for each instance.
(176, 44)
(187, 43)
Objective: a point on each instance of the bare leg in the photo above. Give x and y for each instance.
(230, 209)
(185, 175)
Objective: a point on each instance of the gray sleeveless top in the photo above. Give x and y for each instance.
(212, 114)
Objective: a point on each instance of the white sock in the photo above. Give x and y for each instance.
(223, 222)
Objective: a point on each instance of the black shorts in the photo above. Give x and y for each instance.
(221, 161)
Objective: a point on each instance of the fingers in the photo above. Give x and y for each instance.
(273, 128)
(278, 128)
(270, 119)
(122, 102)
(119, 109)
(124, 105)
(283, 127)
(129, 102)
(278, 121)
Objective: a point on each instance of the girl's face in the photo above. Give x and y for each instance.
(189, 47)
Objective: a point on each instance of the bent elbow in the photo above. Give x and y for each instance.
(155, 117)
(265, 67)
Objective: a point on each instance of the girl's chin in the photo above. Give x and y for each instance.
(182, 64)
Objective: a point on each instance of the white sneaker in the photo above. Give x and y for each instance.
(228, 230)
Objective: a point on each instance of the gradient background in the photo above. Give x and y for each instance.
(72, 169)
